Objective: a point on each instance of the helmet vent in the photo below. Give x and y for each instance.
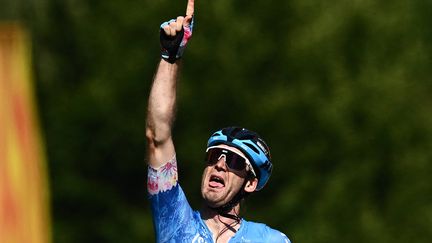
(248, 137)
(235, 131)
(252, 147)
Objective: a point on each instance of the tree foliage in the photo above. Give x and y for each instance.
(340, 90)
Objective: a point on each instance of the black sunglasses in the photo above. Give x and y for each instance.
(233, 160)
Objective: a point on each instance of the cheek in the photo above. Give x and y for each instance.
(236, 181)
(204, 176)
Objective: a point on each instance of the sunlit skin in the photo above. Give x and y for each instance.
(161, 114)
(216, 195)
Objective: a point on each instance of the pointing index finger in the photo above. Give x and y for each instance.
(190, 8)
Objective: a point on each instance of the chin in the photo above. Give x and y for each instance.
(212, 199)
(212, 204)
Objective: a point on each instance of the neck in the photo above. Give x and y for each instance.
(220, 224)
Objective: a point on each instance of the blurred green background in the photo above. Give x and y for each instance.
(341, 91)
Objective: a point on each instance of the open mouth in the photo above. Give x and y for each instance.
(216, 182)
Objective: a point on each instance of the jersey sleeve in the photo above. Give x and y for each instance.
(277, 236)
(169, 205)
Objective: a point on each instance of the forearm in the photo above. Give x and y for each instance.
(174, 35)
(161, 114)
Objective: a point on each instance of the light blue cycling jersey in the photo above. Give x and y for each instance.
(175, 221)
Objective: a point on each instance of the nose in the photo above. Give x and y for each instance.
(221, 162)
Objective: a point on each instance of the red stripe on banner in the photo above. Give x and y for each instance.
(24, 214)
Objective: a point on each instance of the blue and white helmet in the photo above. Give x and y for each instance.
(251, 145)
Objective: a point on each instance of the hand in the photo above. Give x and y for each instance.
(175, 34)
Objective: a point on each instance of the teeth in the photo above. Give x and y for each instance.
(217, 179)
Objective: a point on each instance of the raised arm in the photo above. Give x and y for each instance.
(162, 99)
(160, 114)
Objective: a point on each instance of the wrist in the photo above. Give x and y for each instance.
(164, 61)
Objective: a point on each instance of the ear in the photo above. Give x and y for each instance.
(251, 184)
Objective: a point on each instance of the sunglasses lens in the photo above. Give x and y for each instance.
(233, 160)
(212, 156)
(236, 162)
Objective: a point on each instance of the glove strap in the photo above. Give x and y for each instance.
(172, 47)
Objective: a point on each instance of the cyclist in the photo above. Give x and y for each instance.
(237, 160)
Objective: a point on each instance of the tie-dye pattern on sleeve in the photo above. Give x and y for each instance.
(162, 179)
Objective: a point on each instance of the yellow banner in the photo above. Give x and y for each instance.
(24, 207)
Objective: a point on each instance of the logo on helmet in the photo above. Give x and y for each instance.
(263, 148)
(267, 166)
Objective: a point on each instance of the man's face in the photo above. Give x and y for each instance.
(221, 183)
